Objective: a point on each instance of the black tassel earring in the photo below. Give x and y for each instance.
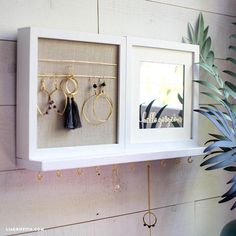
(75, 114)
(68, 123)
(71, 115)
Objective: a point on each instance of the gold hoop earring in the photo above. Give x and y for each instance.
(72, 117)
(94, 86)
(64, 85)
(102, 95)
(43, 90)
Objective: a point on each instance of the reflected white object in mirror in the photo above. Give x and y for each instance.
(161, 95)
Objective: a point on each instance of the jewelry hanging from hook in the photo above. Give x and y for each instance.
(190, 160)
(72, 117)
(98, 170)
(79, 172)
(116, 179)
(43, 90)
(163, 163)
(39, 176)
(149, 218)
(58, 173)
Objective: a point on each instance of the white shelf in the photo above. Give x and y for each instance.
(99, 160)
(132, 144)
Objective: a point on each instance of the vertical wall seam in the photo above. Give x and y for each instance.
(98, 17)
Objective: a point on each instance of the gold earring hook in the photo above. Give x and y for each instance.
(58, 173)
(69, 69)
(190, 160)
(39, 176)
(177, 161)
(163, 163)
(79, 172)
(98, 170)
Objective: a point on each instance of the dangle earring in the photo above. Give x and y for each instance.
(42, 89)
(72, 117)
(51, 102)
(102, 95)
(94, 87)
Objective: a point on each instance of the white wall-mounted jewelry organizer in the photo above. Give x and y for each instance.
(48, 57)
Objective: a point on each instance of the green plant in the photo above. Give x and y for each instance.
(221, 149)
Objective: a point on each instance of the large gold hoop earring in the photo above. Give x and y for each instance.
(102, 95)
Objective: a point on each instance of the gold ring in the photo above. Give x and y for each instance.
(43, 90)
(64, 86)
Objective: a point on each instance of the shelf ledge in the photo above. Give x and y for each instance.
(100, 160)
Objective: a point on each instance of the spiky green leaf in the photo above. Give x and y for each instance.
(210, 58)
(230, 168)
(231, 60)
(191, 34)
(231, 89)
(205, 33)
(231, 47)
(233, 36)
(209, 86)
(231, 73)
(206, 47)
(200, 29)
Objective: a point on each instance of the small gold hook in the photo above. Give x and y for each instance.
(39, 176)
(79, 172)
(115, 169)
(190, 160)
(132, 166)
(98, 170)
(58, 173)
(177, 161)
(163, 163)
(69, 69)
(148, 164)
(42, 84)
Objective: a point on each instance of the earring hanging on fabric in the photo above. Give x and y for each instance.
(75, 114)
(42, 89)
(102, 96)
(94, 87)
(72, 117)
(51, 102)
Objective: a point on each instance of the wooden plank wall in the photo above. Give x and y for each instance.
(184, 197)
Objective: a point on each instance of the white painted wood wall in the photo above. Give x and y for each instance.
(184, 197)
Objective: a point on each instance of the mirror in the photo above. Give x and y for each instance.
(161, 95)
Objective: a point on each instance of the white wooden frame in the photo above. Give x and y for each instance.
(164, 138)
(27, 72)
(46, 159)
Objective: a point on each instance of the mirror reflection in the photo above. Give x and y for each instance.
(161, 95)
